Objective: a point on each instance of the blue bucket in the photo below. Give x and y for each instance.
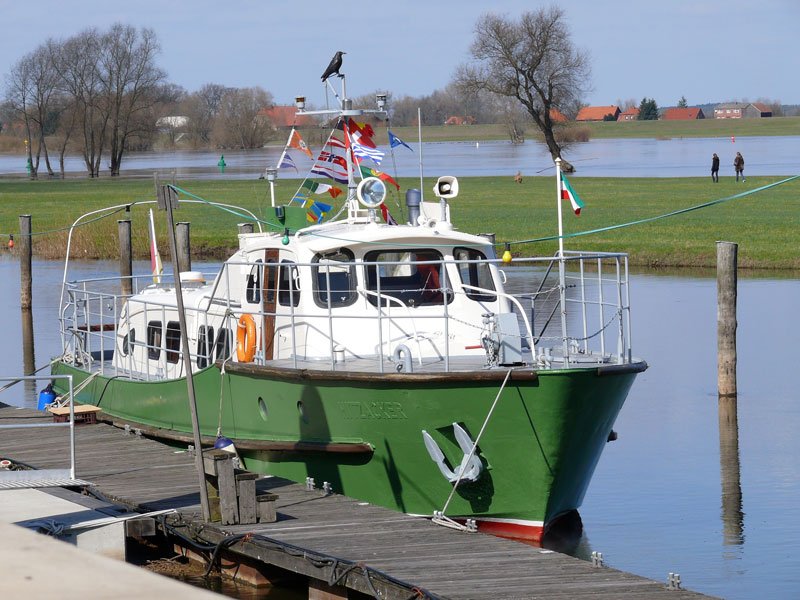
(46, 396)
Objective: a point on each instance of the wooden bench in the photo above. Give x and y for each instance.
(84, 413)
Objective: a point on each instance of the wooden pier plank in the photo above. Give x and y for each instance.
(453, 564)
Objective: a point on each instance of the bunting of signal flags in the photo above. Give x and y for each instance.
(395, 141)
(295, 141)
(360, 137)
(370, 172)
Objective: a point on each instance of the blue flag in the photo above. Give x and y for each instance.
(395, 141)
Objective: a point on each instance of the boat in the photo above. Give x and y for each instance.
(409, 365)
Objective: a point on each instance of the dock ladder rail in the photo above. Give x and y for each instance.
(40, 478)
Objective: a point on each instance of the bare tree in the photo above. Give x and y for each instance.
(131, 84)
(31, 90)
(19, 98)
(239, 124)
(76, 63)
(201, 108)
(532, 60)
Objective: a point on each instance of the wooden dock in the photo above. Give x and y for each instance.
(335, 541)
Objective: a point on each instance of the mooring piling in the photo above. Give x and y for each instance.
(726, 318)
(184, 246)
(25, 251)
(125, 257)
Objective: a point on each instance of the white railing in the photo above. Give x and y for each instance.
(42, 477)
(585, 320)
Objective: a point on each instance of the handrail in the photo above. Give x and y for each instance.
(70, 423)
(587, 283)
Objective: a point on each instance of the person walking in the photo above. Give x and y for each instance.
(738, 165)
(715, 168)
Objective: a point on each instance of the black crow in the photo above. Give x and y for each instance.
(333, 68)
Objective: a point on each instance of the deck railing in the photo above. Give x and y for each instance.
(585, 320)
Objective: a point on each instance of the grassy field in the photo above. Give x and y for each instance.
(635, 129)
(762, 223)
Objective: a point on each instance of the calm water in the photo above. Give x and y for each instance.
(679, 157)
(655, 504)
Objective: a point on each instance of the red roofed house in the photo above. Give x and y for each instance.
(556, 116)
(284, 116)
(741, 110)
(632, 114)
(597, 113)
(682, 114)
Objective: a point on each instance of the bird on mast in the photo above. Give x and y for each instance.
(334, 66)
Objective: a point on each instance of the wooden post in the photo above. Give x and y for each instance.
(246, 228)
(125, 257)
(726, 318)
(220, 475)
(25, 246)
(184, 247)
(246, 492)
(730, 473)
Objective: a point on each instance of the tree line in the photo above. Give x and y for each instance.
(102, 94)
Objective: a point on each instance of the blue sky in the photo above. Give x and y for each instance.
(707, 51)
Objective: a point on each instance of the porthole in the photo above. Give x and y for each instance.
(262, 408)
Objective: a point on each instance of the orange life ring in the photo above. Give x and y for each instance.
(246, 339)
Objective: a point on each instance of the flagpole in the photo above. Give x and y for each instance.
(421, 184)
(562, 280)
(560, 216)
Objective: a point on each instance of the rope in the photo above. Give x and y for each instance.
(659, 217)
(478, 439)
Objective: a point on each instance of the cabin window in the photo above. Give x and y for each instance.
(253, 293)
(154, 340)
(128, 342)
(475, 274)
(222, 347)
(288, 289)
(335, 277)
(399, 275)
(173, 341)
(205, 346)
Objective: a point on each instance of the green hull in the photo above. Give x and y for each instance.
(539, 448)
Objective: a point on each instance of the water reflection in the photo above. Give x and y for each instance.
(732, 512)
(28, 352)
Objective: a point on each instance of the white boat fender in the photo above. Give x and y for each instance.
(226, 444)
(402, 352)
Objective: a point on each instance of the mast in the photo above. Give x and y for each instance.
(561, 275)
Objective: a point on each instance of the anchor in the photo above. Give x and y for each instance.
(470, 467)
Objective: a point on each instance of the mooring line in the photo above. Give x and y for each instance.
(658, 217)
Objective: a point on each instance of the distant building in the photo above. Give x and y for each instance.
(632, 114)
(556, 116)
(457, 120)
(173, 122)
(741, 110)
(683, 114)
(598, 113)
(285, 117)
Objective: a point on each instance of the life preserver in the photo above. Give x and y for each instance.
(246, 339)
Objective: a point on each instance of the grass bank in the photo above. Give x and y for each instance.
(763, 223)
(775, 126)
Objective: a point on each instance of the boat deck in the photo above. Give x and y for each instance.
(315, 534)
